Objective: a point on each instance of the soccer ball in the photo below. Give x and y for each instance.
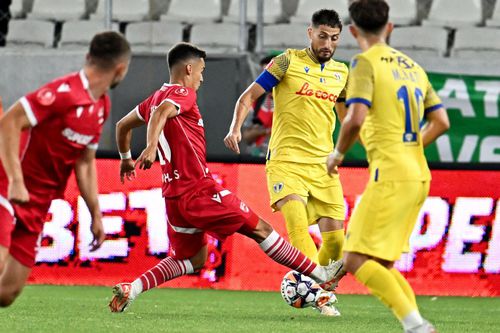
(300, 291)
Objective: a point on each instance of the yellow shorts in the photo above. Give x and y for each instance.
(382, 222)
(321, 192)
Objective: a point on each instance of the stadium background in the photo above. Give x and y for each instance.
(456, 242)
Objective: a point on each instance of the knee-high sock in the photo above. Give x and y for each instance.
(331, 248)
(278, 249)
(385, 287)
(403, 283)
(166, 270)
(297, 225)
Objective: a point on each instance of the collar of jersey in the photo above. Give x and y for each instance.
(313, 57)
(85, 84)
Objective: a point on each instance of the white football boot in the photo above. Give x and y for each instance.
(334, 271)
(425, 327)
(122, 298)
(324, 304)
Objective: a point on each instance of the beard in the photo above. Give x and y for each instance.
(323, 59)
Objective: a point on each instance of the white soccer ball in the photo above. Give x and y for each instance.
(299, 291)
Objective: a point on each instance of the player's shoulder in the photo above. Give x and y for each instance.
(69, 89)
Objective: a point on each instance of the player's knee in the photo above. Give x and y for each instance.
(261, 231)
(353, 261)
(8, 297)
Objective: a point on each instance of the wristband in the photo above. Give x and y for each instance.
(337, 155)
(126, 156)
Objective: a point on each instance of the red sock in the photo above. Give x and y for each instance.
(166, 270)
(285, 254)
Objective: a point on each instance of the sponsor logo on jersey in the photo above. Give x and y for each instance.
(306, 69)
(216, 197)
(46, 96)
(277, 187)
(79, 138)
(319, 94)
(181, 91)
(200, 122)
(243, 207)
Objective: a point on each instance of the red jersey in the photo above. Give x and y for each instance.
(65, 120)
(181, 147)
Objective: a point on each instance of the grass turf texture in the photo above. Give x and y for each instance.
(84, 309)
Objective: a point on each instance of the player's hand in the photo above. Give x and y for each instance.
(127, 170)
(98, 234)
(17, 192)
(232, 139)
(332, 164)
(147, 158)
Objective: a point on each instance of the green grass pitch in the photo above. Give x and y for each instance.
(84, 309)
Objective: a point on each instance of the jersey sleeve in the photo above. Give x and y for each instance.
(360, 85)
(43, 103)
(274, 71)
(432, 102)
(103, 116)
(142, 110)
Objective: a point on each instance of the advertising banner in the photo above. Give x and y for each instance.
(455, 246)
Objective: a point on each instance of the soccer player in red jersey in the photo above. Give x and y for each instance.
(196, 204)
(44, 136)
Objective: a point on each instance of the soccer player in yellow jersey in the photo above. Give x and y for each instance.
(388, 96)
(307, 84)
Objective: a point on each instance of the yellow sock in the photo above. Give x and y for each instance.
(297, 225)
(331, 248)
(403, 283)
(385, 287)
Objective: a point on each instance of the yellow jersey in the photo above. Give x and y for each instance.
(398, 94)
(304, 92)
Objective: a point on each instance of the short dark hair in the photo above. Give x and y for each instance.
(107, 49)
(327, 17)
(369, 15)
(182, 52)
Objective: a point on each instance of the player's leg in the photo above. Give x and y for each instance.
(12, 280)
(383, 285)
(282, 252)
(332, 235)
(289, 196)
(189, 254)
(326, 207)
(18, 263)
(376, 237)
(294, 211)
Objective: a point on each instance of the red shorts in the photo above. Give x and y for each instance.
(20, 233)
(210, 210)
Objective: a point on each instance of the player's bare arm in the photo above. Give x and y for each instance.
(341, 111)
(123, 138)
(11, 125)
(437, 124)
(349, 132)
(86, 178)
(243, 106)
(156, 124)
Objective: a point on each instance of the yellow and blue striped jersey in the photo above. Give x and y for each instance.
(398, 94)
(305, 92)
